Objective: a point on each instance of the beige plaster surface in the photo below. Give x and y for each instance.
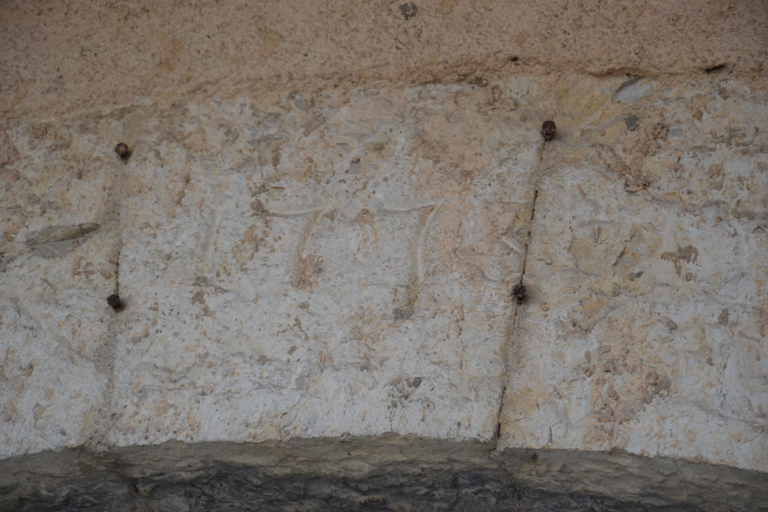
(67, 56)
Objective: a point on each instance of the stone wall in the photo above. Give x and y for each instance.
(316, 238)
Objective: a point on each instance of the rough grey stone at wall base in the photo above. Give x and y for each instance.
(382, 473)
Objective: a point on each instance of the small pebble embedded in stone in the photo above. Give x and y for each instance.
(548, 130)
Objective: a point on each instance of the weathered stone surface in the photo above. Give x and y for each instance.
(383, 473)
(328, 267)
(318, 301)
(74, 54)
(656, 482)
(647, 322)
(57, 265)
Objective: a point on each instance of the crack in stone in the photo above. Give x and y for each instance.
(106, 355)
(537, 170)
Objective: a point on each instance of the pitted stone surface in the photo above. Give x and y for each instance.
(339, 266)
(327, 267)
(73, 54)
(382, 473)
(57, 266)
(648, 319)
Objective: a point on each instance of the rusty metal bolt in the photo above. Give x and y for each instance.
(518, 292)
(122, 151)
(115, 302)
(548, 130)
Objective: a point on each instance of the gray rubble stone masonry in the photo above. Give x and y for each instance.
(319, 313)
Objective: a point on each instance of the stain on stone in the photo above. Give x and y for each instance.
(687, 254)
(8, 151)
(248, 246)
(402, 389)
(637, 275)
(308, 270)
(367, 218)
(409, 11)
(723, 318)
(258, 208)
(631, 122)
(401, 314)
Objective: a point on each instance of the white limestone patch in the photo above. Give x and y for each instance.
(57, 268)
(318, 271)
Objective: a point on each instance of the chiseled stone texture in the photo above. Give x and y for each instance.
(57, 265)
(387, 473)
(319, 311)
(656, 483)
(330, 266)
(647, 324)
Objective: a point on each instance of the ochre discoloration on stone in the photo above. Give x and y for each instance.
(645, 334)
(302, 45)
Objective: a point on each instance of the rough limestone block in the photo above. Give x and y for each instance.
(57, 266)
(328, 267)
(331, 277)
(647, 324)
